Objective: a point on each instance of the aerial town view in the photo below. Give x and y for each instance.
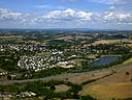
(65, 50)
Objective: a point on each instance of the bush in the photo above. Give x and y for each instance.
(86, 98)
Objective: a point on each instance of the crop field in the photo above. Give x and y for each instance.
(112, 41)
(118, 85)
(109, 91)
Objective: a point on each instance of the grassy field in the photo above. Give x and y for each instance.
(128, 61)
(85, 77)
(112, 41)
(118, 85)
(61, 88)
(109, 91)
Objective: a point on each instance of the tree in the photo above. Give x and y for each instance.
(52, 87)
(127, 73)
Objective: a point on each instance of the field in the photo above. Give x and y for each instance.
(70, 37)
(128, 61)
(112, 41)
(118, 85)
(109, 91)
(61, 88)
(81, 78)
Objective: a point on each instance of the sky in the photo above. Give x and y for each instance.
(91, 14)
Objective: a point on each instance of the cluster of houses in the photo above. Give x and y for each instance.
(7, 76)
(9, 96)
(37, 63)
(26, 94)
(3, 75)
(18, 47)
(42, 62)
(3, 47)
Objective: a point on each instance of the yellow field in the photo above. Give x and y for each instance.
(109, 91)
(112, 41)
(128, 61)
(61, 88)
(118, 85)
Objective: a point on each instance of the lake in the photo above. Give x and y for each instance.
(106, 60)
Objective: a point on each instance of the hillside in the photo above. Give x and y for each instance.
(116, 86)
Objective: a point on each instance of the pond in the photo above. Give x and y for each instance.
(106, 60)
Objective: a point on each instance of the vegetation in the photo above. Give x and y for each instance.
(44, 89)
(49, 72)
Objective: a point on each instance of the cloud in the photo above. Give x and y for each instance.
(14, 17)
(117, 17)
(8, 15)
(71, 16)
(65, 17)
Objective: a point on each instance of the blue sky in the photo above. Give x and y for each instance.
(93, 14)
